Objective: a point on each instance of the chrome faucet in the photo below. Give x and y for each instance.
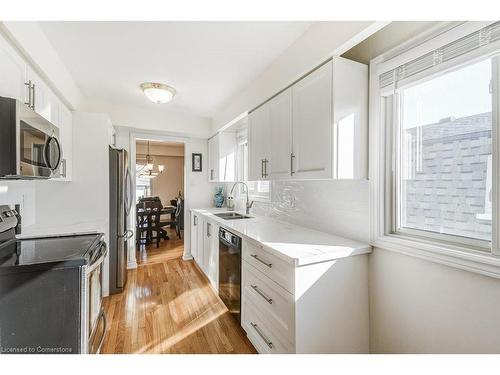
(248, 203)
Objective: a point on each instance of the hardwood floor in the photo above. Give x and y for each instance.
(168, 306)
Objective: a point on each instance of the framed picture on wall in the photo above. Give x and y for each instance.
(197, 162)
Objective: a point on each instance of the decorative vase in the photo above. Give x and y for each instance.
(219, 197)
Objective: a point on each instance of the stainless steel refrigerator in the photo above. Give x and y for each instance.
(120, 204)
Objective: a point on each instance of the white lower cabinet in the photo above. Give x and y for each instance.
(317, 308)
(194, 220)
(205, 246)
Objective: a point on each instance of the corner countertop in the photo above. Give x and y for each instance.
(295, 244)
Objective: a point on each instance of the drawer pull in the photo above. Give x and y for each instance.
(262, 336)
(256, 288)
(260, 260)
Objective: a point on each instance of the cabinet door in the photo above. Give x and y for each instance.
(207, 247)
(258, 143)
(213, 159)
(350, 118)
(12, 73)
(200, 236)
(280, 126)
(313, 125)
(42, 97)
(227, 156)
(213, 267)
(194, 234)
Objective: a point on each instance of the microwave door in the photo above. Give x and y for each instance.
(32, 148)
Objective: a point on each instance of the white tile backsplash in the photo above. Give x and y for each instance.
(333, 206)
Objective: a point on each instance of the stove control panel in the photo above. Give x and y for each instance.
(8, 218)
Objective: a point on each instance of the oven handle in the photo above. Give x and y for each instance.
(104, 329)
(99, 259)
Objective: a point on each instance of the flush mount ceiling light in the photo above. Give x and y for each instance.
(158, 92)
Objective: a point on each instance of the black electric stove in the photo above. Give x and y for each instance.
(50, 291)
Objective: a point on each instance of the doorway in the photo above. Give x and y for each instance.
(160, 180)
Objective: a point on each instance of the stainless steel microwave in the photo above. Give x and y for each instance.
(29, 144)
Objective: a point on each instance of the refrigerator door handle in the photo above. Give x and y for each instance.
(127, 235)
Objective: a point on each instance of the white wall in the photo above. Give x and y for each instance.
(321, 41)
(23, 193)
(84, 200)
(421, 307)
(168, 184)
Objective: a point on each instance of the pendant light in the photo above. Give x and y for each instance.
(148, 168)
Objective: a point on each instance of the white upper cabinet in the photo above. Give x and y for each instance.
(259, 144)
(20, 81)
(12, 73)
(222, 150)
(43, 101)
(315, 129)
(350, 119)
(312, 125)
(280, 133)
(213, 159)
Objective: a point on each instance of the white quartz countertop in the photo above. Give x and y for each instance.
(292, 243)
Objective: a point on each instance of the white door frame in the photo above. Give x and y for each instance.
(134, 136)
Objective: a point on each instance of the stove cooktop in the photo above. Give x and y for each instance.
(74, 250)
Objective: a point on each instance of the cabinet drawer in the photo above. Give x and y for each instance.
(274, 303)
(262, 338)
(270, 265)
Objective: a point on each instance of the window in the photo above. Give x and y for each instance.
(143, 184)
(443, 155)
(434, 137)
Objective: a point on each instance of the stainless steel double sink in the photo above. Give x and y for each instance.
(232, 216)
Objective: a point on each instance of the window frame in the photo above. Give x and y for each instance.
(395, 178)
(460, 252)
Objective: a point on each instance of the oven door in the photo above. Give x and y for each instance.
(95, 319)
(39, 153)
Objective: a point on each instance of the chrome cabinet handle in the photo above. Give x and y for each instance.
(211, 174)
(262, 168)
(262, 336)
(208, 230)
(28, 84)
(195, 220)
(292, 156)
(256, 288)
(63, 163)
(34, 95)
(260, 260)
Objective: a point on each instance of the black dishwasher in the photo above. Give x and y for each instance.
(230, 272)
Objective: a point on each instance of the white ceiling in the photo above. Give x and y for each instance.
(206, 62)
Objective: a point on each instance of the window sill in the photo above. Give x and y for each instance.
(472, 261)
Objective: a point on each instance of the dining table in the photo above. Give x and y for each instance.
(144, 217)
